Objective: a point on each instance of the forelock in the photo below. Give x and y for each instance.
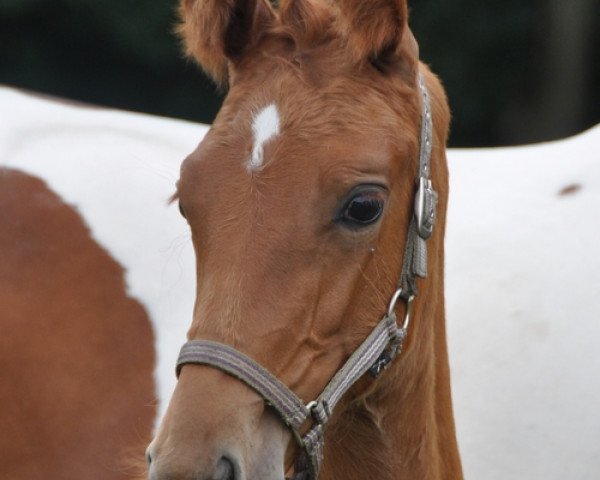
(309, 23)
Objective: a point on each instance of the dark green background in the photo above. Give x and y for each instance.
(516, 71)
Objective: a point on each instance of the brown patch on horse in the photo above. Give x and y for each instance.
(76, 352)
(570, 190)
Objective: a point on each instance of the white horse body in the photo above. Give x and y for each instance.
(523, 309)
(523, 270)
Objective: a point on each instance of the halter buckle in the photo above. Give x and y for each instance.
(425, 207)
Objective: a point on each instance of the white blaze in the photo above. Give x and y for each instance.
(265, 126)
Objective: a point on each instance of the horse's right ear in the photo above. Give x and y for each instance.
(217, 32)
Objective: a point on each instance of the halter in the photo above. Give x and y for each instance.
(374, 355)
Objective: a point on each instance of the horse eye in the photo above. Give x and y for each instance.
(364, 208)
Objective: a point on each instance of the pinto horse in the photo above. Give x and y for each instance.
(91, 267)
(522, 345)
(300, 201)
(85, 276)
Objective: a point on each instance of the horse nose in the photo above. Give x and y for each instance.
(226, 468)
(148, 456)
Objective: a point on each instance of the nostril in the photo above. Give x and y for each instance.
(225, 470)
(148, 456)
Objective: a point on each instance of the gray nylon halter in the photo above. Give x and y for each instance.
(373, 355)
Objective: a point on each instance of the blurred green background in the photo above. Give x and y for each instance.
(516, 71)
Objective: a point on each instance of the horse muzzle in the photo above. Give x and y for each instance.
(216, 428)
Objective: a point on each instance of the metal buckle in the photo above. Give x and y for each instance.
(425, 202)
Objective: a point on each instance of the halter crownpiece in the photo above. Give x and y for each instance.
(374, 355)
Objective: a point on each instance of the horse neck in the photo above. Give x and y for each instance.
(405, 428)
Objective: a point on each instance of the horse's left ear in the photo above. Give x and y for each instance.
(377, 30)
(220, 32)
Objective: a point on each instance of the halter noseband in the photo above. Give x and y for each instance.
(373, 355)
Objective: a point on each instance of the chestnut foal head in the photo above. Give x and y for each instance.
(299, 200)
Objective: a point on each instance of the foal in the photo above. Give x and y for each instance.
(299, 200)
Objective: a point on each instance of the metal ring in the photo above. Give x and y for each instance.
(409, 312)
(393, 301)
(309, 406)
(409, 307)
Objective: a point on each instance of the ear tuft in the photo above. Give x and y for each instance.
(216, 32)
(374, 28)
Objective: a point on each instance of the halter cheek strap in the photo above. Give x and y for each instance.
(373, 355)
(421, 224)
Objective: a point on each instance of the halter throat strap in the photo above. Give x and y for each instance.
(374, 355)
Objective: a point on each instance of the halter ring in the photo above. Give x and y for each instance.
(409, 307)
